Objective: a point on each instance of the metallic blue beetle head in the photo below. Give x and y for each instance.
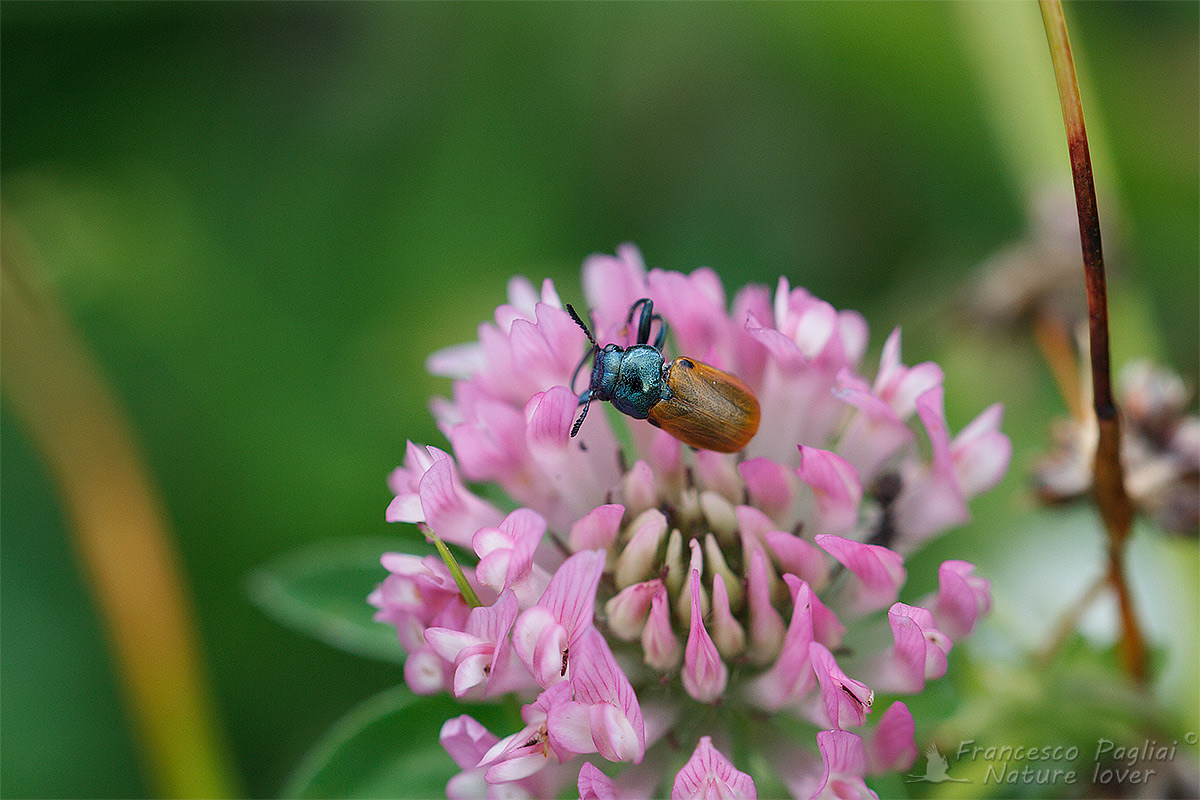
(631, 378)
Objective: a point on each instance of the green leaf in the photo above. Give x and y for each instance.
(322, 591)
(386, 747)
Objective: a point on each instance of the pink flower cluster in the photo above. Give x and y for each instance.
(650, 601)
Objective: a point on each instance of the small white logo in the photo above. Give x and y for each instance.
(935, 768)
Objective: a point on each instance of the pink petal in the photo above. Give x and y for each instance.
(798, 767)
(880, 571)
(638, 557)
(962, 598)
(796, 556)
(516, 768)
(461, 361)
(695, 306)
(845, 764)
(594, 784)
(628, 609)
(471, 668)
(791, 676)
(766, 625)
(570, 728)
(614, 734)
(426, 673)
(900, 386)
(638, 489)
(835, 485)
(934, 501)
(571, 595)
(753, 525)
(551, 653)
(611, 285)
(467, 785)
(847, 701)
(660, 646)
(981, 453)
(892, 746)
(617, 728)
(550, 419)
(875, 434)
(448, 643)
(815, 323)
(937, 644)
(506, 553)
(919, 652)
(579, 477)
(597, 529)
(417, 461)
(852, 329)
(769, 484)
(704, 673)
(490, 444)
(749, 356)
(727, 633)
(451, 511)
(827, 628)
(782, 348)
(466, 740)
(708, 775)
(719, 472)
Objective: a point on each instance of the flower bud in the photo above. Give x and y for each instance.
(661, 647)
(717, 566)
(627, 611)
(640, 554)
(727, 632)
(720, 515)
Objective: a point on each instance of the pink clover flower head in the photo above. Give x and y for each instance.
(639, 581)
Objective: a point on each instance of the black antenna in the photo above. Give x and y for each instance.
(582, 324)
(595, 348)
(578, 422)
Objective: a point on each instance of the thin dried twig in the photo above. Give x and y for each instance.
(1108, 484)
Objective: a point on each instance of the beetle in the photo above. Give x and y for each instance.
(699, 405)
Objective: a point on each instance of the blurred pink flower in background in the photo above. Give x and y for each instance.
(654, 604)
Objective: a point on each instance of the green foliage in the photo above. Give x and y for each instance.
(387, 747)
(321, 591)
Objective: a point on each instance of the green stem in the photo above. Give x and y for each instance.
(1107, 475)
(119, 531)
(451, 564)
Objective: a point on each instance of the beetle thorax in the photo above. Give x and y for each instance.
(639, 382)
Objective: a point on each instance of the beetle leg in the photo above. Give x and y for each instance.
(644, 321)
(579, 366)
(661, 338)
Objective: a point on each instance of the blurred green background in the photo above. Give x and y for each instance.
(263, 217)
